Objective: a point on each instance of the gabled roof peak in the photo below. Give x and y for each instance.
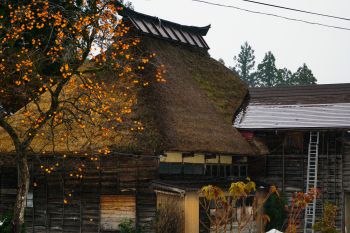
(151, 25)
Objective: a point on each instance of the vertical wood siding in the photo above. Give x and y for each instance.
(117, 175)
(289, 171)
(115, 209)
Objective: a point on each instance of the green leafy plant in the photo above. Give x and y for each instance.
(328, 221)
(6, 223)
(275, 209)
(128, 226)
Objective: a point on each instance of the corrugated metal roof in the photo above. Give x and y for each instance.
(160, 28)
(303, 107)
(294, 116)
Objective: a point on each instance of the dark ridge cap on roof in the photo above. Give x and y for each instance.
(200, 30)
(296, 95)
(303, 90)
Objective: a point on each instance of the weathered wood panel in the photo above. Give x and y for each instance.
(346, 183)
(8, 182)
(112, 175)
(288, 171)
(115, 209)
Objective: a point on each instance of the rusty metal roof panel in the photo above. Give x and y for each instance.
(190, 35)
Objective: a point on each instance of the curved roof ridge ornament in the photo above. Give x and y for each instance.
(143, 23)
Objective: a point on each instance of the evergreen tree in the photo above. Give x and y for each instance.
(303, 76)
(267, 73)
(245, 63)
(284, 77)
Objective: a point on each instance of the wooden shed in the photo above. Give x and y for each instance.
(306, 131)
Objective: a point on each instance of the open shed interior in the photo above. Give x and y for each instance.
(286, 166)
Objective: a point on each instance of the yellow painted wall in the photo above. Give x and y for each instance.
(216, 160)
(192, 212)
(172, 157)
(198, 158)
(176, 157)
(225, 159)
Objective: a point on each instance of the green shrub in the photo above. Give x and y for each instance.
(275, 209)
(6, 223)
(128, 226)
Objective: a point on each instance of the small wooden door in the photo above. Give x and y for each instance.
(116, 209)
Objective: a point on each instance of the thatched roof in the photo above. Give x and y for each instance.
(192, 111)
(195, 107)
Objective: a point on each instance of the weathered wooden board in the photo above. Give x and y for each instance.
(116, 209)
(116, 175)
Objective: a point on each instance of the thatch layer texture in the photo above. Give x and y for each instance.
(197, 102)
(192, 111)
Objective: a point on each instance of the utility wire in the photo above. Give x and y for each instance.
(297, 10)
(270, 14)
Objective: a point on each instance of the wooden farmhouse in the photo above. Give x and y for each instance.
(188, 141)
(306, 131)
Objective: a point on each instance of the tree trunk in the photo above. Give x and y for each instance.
(22, 192)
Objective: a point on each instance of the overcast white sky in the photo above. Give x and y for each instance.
(326, 51)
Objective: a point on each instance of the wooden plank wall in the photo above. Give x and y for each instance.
(346, 181)
(113, 175)
(346, 164)
(115, 209)
(288, 171)
(295, 167)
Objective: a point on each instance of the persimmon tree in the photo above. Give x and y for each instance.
(50, 53)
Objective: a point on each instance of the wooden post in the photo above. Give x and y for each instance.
(0, 188)
(63, 189)
(99, 192)
(283, 164)
(80, 204)
(31, 184)
(46, 207)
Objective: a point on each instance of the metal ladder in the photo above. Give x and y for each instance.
(311, 182)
